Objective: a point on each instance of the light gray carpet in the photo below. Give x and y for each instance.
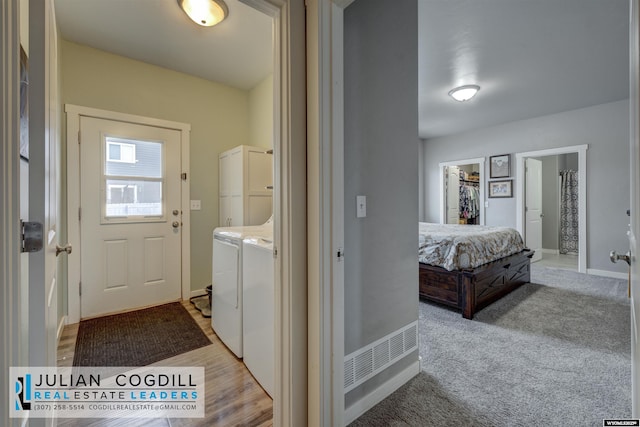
(553, 352)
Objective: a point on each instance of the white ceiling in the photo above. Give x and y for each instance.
(530, 58)
(237, 52)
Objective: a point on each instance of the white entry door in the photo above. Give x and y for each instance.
(130, 216)
(453, 194)
(533, 207)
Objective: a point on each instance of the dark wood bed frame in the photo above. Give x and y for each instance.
(473, 289)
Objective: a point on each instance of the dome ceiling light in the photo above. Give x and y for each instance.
(464, 93)
(205, 12)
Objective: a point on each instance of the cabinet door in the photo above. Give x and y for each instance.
(233, 173)
(260, 169)
(224, 211)
(237, 212)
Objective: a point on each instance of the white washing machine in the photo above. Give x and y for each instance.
(258, 308)
(226, 295)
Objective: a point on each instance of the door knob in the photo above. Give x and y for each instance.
(615, 257)
(59, 249)
(175, 224)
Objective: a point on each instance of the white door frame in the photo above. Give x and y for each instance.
(325, 190)
(74, 113)
(290, 216)
(443, 195)
(9, 201)
(581, 150)
(634, 163)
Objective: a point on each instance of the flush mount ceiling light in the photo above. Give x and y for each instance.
(464, 93)
(205, 12)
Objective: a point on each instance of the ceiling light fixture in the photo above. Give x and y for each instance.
(464, 93)
(205, 12)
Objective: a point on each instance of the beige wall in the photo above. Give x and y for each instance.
(218, 115)
(261, 113)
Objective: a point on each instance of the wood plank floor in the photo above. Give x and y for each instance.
(233, 397)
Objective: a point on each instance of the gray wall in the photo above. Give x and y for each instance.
(550, 202)
(381, 162)
(568, 161)
(605, 128)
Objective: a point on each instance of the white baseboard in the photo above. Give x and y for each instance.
(63, 321)
(605, 273)
(376, 396)
(551, 251)
(198, 293)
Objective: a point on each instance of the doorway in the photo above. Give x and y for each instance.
(290, 237)
(202, 179)
(553, 161)
(558, 234)
(462, 199)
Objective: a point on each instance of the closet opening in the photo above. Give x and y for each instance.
(462, 198)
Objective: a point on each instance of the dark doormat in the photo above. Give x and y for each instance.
(138, 338)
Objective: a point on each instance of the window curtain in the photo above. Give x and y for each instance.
(568, 212)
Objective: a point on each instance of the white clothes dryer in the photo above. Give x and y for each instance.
(258, 310)
(226, 293)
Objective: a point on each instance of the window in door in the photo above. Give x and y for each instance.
(133, 180)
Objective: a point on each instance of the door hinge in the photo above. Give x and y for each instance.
(80, 288)
(340, 254)
(78, 137)
(183, 176)
(526, 209)
(79, 214)
(275, 252)
(31, 236)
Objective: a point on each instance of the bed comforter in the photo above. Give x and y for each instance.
(458, 247)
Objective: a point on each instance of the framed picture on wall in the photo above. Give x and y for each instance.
(500, 166)
(502, 188)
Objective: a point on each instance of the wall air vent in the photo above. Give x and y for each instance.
(368, 361)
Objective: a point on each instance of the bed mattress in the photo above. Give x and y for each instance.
(458, 247)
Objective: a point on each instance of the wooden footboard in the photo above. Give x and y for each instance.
(471, 290)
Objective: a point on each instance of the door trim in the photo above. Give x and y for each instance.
(581, 150)
(634, 143)
(443, 201)
(325, 205)
(74, 113)
(9, 200)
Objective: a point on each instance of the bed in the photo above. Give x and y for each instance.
(468, 267)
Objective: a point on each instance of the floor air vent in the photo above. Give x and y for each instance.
(368, 361)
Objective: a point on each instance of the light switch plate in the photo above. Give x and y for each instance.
(195, 205)
(361, 206)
